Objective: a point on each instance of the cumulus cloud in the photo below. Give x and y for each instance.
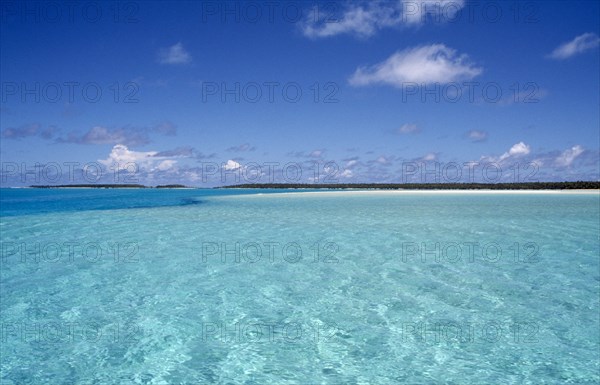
(161, 167)
(166, 164)
(174, 54)
(580, 44)
(120, 153)
(146, 161)
(516, 150)
(231, 165)
(566, 158)
(364, 19)
(346, 174)
(351, 163)
(426, 64)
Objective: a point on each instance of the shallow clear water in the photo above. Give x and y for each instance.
(211, 286)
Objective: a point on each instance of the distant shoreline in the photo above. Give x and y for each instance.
(579, 185)
(349, 192)
(109, 186)
(443, 187)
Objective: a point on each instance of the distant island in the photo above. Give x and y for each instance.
(579, 185)
(172, 186)
(108, 186)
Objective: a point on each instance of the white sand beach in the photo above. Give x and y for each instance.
(333, 193)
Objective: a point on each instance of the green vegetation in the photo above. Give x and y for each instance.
(90, 186)
(579, 185)
(107, 186)
(171, 186)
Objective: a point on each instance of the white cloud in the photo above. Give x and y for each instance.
(351, 163)
(175, 54)
(568, 156)
(429, 157)
(417, 11)
(231, 165)
(144, 160)
(408, 128)
(346, 174)
(121, 154)
(191, 175)
(477, 135)
(166, 164)
(382, 159)
(366, 18)
(355, 20)
(434, 63)
(580, 44)
(517, 150)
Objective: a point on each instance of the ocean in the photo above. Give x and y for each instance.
(110, 286)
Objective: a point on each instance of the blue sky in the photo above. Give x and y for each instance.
(209, 93)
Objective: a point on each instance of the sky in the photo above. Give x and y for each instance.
(209, 93)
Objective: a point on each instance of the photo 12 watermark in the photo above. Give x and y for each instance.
(269, 172)
(468, 172)
(267, 332)
(68, 252)
(52, 173)
(269, 92)
(449, 331)
(69, 12)
(269, 252)
(406, 12)
(471, 92)
(60, 332)
(470, 252)
(69, 92)
(269, 12)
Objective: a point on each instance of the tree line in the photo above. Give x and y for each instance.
(579, 185)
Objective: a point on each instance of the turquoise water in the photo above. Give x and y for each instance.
(211, 286)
